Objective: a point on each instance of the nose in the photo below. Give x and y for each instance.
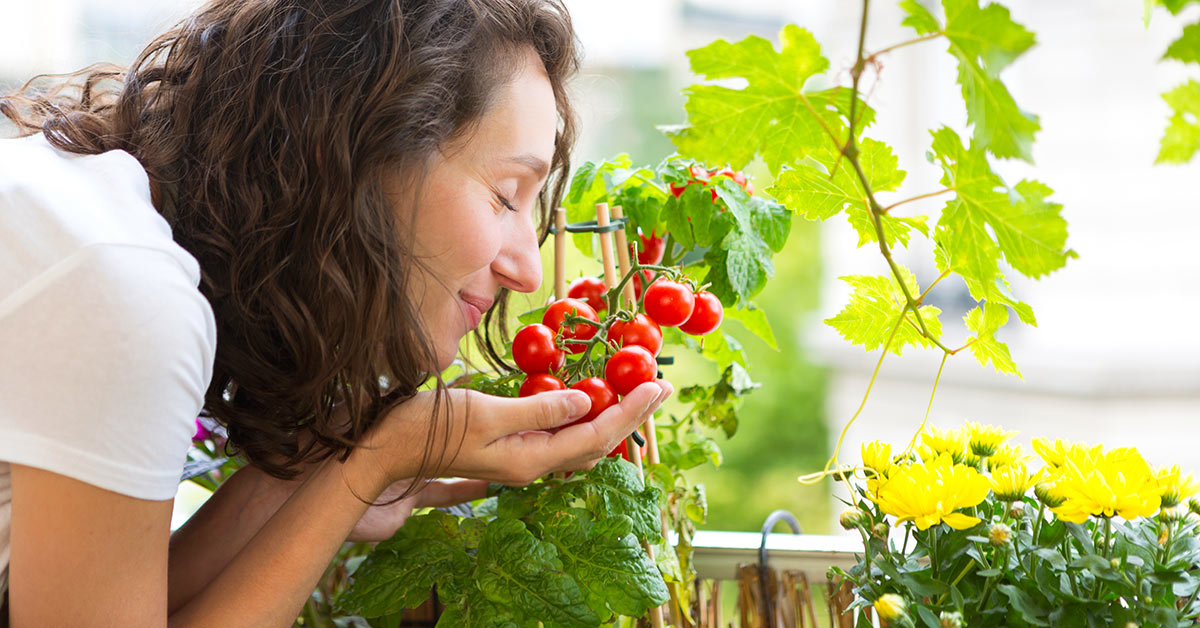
(519, 263)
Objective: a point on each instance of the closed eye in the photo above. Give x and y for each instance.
(505, 202)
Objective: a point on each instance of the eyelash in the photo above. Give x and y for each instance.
(505, 202)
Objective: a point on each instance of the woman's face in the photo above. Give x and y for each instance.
(475, 228)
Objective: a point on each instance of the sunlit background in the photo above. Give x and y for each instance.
(1116, 356)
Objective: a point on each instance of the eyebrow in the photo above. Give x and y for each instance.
(535, 163)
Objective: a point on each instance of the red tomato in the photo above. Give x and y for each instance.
(590, 290)
(653, 249)
(699, 175)
(629, 368)
(534, 350)
(557, 313)
(641, 331)
(669, 303)
(638, 279)
(706, 317)
(602, 395)
(622, 450)
(540, 383)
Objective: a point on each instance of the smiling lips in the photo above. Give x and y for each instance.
(473, 308)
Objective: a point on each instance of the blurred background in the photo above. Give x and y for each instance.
(1116, 356)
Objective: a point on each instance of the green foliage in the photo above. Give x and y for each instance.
(1182, 137)
(985, 41)
(872, 317)
(563, 552)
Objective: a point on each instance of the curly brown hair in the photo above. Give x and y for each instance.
(267, 129)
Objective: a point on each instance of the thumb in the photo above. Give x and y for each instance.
(548, 410)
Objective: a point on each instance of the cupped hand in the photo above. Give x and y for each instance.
(507, 440)
(380, 522)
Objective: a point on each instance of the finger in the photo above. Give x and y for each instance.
(588, 441)
(545, 411)
(443, 493)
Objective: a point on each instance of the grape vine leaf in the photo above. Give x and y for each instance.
(984, 321)
(985, 41)
(874, 311)
(810, 188)
(401, 571)
(524, 574)
(984, 223)
(771, 115)
(1187, 47)
(1182, 137)
(604, 557)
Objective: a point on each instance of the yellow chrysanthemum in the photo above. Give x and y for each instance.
(930, 493)
(1006, 455)
(1054, 453)
(877, 456)
(1175, 486)
(890, 607)
(953, 442)
(984, 440)
(1095, 482)
(1011, 482)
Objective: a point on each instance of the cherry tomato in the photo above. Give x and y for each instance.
(557, 313)
(641, 331)
(669, 303)
(602, 395)
(590, 290)
(699, 175)
(540, 383)
(653, 249)
(629, 368)
(706, 317)
(534, 350)
(622, 449)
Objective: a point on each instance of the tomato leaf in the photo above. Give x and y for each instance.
(755, 321)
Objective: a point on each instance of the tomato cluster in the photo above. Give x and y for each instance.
(629, 342)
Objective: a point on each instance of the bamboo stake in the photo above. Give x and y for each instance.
(560, 253)
(623, 262)
(610, 280)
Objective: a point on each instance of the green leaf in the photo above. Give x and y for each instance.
(694, 220)
(518, 571)
(985, 41)
(1029, 232)
(616, 488)
(532, 316)
(399, 574)
(771, 115)
(874, 308)
(984, 321)
(607, 562)
(1024, 604)
(476, 611)
(603, 182)
(1187, 47)
(755, 321)
(1181, 140)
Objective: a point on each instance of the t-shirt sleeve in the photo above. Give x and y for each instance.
(104, 361)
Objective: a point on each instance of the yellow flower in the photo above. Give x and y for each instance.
(930, 493)
(1054, 453)
(1048, 494)
(1176, 486)
(985, 439)
(877, 456)
(890, 607)
(1094, 482)
(1005, 456)
(1011, 482)
(953, 442)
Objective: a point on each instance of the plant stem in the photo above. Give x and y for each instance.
(902, 44)
(916, 198)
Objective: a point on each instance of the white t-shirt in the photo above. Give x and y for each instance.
(106, 344)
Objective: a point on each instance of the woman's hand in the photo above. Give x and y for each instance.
(381, 522)
(506, 440)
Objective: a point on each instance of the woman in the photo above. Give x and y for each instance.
(288, 215)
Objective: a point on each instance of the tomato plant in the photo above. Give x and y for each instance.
(652, 250)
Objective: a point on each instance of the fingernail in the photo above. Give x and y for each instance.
(576, 403)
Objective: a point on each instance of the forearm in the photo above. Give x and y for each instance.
(267, 581)
(212, 536)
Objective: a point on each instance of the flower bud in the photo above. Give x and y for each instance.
(1169, 514)
(1194, 506)
(880, 530)
(950, 619)
(1132, 625)
(890, 607)
(1017, 511)
(1115, 563)
(852, 519)
(999, 534)
(1048, 495)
